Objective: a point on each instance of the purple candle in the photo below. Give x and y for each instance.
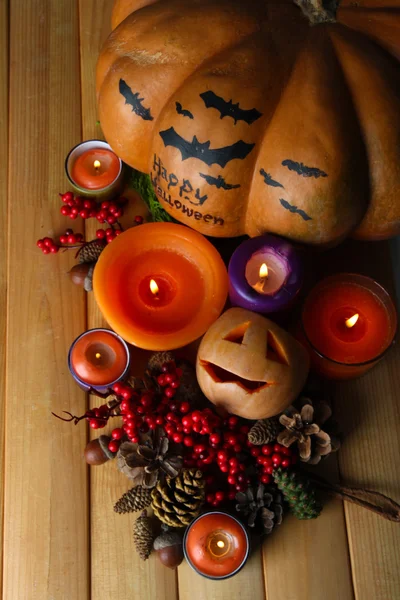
(265, 274)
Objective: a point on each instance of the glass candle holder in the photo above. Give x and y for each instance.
(348, 323)
(97, 359)
(265, 274)
(216, 545)
(97, 164)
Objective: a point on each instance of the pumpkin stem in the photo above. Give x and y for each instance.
(319, 11)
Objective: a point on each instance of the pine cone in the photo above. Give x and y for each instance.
(91, 251)
(303, 427)
(178, 501)
(298, 492)
(264, 431)
(136, 499)
(152, 458)
(263, 501)
(158, 360)
(128, 464)
(143, 535)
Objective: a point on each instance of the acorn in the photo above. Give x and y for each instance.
(169, 548)
(97, 452)
(82, 274)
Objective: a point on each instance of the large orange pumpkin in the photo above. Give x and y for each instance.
(251, 120)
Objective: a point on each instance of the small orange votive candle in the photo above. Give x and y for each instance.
(216, 545)
(98, 358)
(94, 170)
(160, 285)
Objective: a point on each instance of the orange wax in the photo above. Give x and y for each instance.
(190, 276)
(326, 311)
(98, 358)
(95, 169)
(216, 545)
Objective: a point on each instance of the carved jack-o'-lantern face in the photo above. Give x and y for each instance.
(250, 366)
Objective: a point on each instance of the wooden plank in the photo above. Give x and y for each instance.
(248, 584)
(369, 411)
(309, 560)
(46, 500)
(117, 570)
(3, 236)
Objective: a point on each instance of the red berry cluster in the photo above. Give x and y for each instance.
(69, 237)
(108, 235)
(48, 245)
(98, 417)
(144, 411)
(87, 208)
(270, 457)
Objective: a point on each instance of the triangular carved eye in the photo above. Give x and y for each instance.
(274, 350)
(237, 334)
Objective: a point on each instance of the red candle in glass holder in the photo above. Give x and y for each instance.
(216, 545)
(348, 322)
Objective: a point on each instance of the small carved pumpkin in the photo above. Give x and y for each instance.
(250, 366)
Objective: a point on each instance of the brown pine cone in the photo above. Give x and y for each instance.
(178, 501)
(264, 431)
(262, 501)
(143, 535)
(303, 427)
(91, 251)
(136, 499)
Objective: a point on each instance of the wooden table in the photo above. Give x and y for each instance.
(62, 540)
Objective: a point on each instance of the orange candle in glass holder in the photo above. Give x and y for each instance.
(160, 286)
(96, 168)
(216, 545)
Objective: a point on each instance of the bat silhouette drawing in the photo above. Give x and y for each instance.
(229, 109)
(293, 209)
(302, 170)
(202, 151)
(183, 111)
(133, 100)
(268, 179)
(219, 182)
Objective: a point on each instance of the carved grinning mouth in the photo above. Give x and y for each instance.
(220, 375)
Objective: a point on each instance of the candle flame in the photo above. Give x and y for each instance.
(263, 273)
(352, 321)
(97, 164)
(153, 287)
(98, 355)
(220, 544)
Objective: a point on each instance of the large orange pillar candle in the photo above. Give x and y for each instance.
(98, 358)
(216, 545)
(160, 286)
(348, 322)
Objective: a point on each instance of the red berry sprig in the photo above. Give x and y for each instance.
(67, 240)
(87, 208)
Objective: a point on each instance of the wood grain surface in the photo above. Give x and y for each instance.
(46, 525)
(3, 236)
(62, 539)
